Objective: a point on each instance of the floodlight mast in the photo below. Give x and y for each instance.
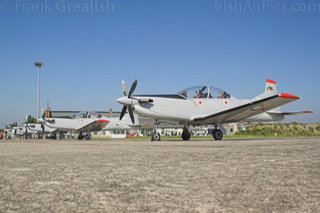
(39, 65)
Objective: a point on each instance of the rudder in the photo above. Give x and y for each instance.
(271, 87)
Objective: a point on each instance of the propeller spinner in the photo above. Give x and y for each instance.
(127, 101)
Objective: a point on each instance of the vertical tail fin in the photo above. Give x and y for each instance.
(271, 87)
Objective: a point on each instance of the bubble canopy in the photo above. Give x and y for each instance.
(87, 115)
(204, 92)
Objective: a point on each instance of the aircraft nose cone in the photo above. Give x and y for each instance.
(123, 101)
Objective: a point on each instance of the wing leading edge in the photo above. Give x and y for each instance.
(249, 109)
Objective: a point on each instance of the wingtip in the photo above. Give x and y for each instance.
(286, 95)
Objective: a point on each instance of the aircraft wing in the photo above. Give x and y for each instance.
(249, 109)
(95, 125)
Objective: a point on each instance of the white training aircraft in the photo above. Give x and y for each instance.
(205, 105)
(26, 131)
(83, 122)
(9, 133)
(22, 132)
(39, 129)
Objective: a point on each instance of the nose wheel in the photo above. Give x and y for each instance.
(155, 136)
(217, 134)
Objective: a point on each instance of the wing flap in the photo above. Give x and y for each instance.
(249, 109)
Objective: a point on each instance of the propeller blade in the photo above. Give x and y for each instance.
(131, 114)
(124, 88)
(133, 87)
(124, 110)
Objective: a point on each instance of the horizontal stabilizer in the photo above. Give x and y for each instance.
(291, 113)
(100, 122)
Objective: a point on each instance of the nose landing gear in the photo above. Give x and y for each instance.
(155, 136)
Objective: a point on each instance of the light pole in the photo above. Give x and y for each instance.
(39, 65)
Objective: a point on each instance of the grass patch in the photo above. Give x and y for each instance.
(280, 130)
(254, 130)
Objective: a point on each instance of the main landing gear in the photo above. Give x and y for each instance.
(217, 134)
(81, 136)
(185, 134)
(88, 136)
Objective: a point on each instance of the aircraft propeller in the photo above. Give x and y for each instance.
(128, 96)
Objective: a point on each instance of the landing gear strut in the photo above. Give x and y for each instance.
(185, 134)
(155, 136)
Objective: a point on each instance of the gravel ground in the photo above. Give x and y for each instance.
(235, 175)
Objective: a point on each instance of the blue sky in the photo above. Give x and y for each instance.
(167, 45)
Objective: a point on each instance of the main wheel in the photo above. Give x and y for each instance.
(186, 135)
(88, 137)
(217, 134)
(80, 137)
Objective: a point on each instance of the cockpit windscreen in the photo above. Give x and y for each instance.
(87, 115)
(204, 92)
